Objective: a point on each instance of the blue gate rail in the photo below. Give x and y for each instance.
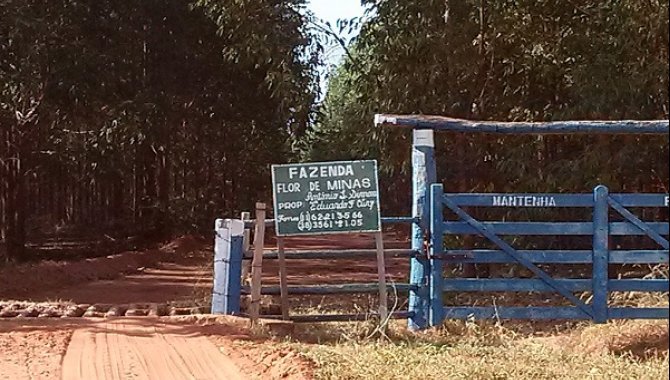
(227, 283)
(460, 256)
(600, 256)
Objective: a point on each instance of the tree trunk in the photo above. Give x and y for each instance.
(15, 209)
(163, 190)
(4, 193)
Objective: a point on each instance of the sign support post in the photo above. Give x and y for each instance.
(283, 285)
(257, 263)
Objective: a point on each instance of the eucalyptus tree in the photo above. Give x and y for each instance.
(146, 116)
(506, 60)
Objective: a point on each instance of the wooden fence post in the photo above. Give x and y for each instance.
(226, 290)
(246, 243)
(283, 284)
(600, 253)
(257, 263)
(381, 275)
(436, 249)
(423, 175)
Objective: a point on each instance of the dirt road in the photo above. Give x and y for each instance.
(142, 348)
(189, 347)
(156, 348)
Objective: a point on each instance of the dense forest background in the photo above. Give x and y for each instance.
(154, 117)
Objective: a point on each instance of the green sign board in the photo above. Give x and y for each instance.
(326, 197)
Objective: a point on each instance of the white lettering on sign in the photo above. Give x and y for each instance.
(321, 171)
(326, 197)
(524, 201)
(289, 205)
(321, 196)
(293, 187)
(365, 203)
(283, 218)
(353, 194)
(348, 184)
(666, 201)
(320, 205)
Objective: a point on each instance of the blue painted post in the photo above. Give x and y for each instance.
(229, 235)
(600, 253)
(423, 175)
(436, 315)
(234, 288)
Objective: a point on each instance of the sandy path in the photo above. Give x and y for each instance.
(32, 354)
(144, 349)
(152, 348)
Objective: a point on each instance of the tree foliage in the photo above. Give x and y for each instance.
(146, 115)
(159, 116)
(505, 60)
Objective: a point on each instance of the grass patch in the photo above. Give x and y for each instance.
(484, 350)
(469, 361)
(631, 349)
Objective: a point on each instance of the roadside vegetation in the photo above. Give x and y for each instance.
(150, 118)
(144, 118)
(469, 350)
(633, 349)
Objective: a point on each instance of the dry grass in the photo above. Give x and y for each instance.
(489, 350)
(639, 340)
(634, 349)
(466, 350)
(482, 350)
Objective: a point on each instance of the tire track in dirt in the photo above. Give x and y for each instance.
(144, 349)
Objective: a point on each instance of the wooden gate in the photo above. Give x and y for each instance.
(232, 249)
(600, 256)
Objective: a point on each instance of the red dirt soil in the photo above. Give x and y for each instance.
(141, 348)
(144, 348)
(178, 273)
(31, 353)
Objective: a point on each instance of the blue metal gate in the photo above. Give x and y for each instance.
(600, 228)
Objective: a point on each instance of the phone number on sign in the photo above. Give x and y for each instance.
(329, 220)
